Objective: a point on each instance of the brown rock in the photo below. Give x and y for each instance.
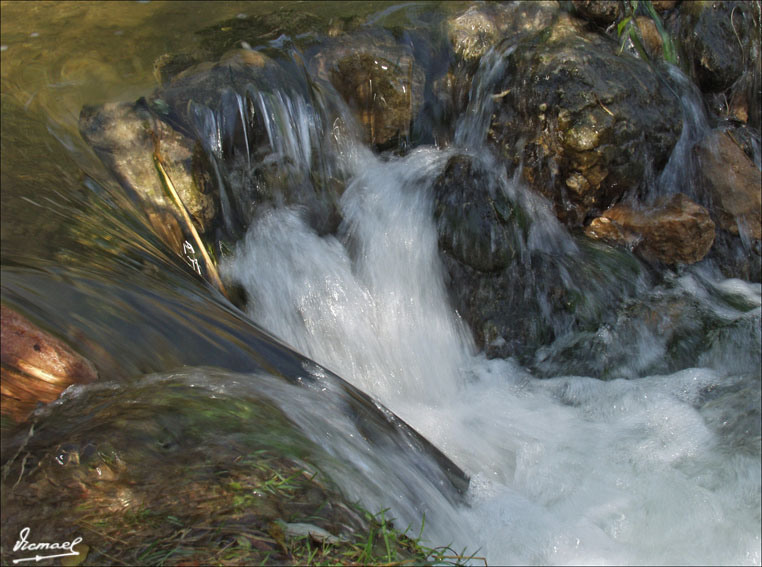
(664, 5)
(673, 231)
(378, 78)
(579, 118)
(652, 40)
(473, 32)
(734, 183)
(36, 367)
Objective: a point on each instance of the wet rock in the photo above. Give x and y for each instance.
(207, 84)
(473, 32)
(124, 136)
(581, 119)
(674, 230)
(378, 78)
(664, 5)
(716, 37)
(476, 222)
(661, 332)
(470, 34)
(512, 272)
(652, 40)
(736, 258)
(746, 138)
(601, 12)
(450, 94)
(744, 105)
(734, 184)
(167, 66)
(36, 367)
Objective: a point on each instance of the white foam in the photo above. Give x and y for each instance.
(570, 470)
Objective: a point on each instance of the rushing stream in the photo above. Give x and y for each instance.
(659, 463)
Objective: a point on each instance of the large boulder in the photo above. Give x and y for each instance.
(378, 78)
(674, 230)
(734, 188)
(582, 120)
(476, 223)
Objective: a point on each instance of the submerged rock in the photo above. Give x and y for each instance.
(674, 230)
(36, 367)
(583, 120)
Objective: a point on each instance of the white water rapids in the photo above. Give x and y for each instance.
(570, 470)
(567, 470)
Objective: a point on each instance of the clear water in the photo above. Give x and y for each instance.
(658, 464)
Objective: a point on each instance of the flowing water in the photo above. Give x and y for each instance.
(658, 463)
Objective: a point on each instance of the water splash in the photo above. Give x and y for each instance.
(568, 470)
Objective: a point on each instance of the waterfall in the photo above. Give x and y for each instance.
(565, 470)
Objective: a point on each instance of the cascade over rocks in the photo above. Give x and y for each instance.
(588, 130)
(674, 230)
(581, 119)
(207, 84)
(234, 107)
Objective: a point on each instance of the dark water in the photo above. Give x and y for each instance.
(661, 468)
